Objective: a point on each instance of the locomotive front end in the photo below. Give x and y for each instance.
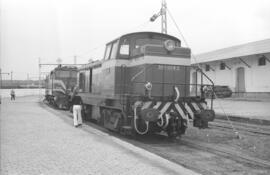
(143, 86)
(160, 74)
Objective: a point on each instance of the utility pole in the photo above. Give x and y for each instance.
(163, 14)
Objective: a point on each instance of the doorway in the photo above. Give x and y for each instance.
(240, 80)
(194, 84)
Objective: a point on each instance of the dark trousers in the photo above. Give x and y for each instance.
(12, 97)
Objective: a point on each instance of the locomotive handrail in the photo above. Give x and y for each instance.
(212, 89)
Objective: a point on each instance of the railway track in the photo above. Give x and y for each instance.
(186, 152)
(242, 127)
(226, 152)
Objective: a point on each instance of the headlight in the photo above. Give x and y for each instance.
(169, 45)
(148, 86)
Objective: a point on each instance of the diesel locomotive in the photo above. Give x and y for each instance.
(59, 85)
(142, 86)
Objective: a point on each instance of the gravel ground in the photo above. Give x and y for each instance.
(254, 145)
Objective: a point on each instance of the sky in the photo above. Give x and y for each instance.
(53, 29)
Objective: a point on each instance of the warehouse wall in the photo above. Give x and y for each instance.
(257, 78)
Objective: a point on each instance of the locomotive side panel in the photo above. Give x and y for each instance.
(96, 80)
(187, 80)
(108, 81)
(122, 80)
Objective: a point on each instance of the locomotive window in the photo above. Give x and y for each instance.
(107, 52)
(114, 50)
(62, 74)
(124, 49)
(73, 74)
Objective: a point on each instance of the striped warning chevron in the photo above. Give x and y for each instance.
(185, 110)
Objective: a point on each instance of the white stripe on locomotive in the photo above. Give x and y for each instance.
(157, 105)
(189, 111)
(196, 107)
(204, 105)
(146, 105)
(181, 112)
(164, 109)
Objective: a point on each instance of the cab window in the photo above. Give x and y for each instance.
(124, 48)
(73, 74)
(62, 74)
(107, 52)
(114, 50)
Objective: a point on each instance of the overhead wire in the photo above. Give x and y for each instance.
(199, 66)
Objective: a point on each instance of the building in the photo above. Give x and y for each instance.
(244, 68)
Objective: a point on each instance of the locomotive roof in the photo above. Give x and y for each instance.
(66, 68)
(92, 64)
(141, 33)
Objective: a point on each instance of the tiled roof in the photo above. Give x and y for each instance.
(252, 48)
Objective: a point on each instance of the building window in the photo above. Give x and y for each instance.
(262, 61)
(207, 67)
(222, 66)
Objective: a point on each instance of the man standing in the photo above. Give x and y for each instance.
(12, 94)
(77, 108)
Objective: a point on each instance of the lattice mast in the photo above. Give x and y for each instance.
(163, 14)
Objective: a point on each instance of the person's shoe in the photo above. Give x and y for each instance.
(76, 126)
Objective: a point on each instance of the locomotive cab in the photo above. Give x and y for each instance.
(142, 85)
